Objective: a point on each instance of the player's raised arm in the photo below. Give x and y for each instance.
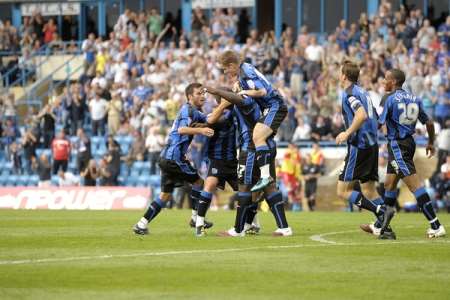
(229, 96)
(217, 113)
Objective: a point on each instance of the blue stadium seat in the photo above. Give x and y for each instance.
(54, 180)
(12, 180)
(131, 180)
(134, 172)
(73, 139)
(155, 180)
(121, 180)
(5, 172)
(33, 180)
(3, 180)
(144, 180)
(22, 180)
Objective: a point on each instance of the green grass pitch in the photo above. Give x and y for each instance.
(94, 255)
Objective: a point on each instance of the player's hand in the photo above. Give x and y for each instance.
(207, 132)
(236, 87)
(208, 89)
(341, 138)
(430, 150)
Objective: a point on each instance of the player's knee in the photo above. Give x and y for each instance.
(198, 183)
(342, 193)
(164, 196)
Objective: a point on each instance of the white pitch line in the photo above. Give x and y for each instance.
(319, 237)
(206, 251)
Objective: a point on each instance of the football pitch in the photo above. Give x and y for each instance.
(94, 255)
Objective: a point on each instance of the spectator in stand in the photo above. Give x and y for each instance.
(89, 52)
(29, 145)
(48, 124)
(90, 174)
(154, 143)
(9, 108)
(104, 174)
(321, 129)
(113, 162)
(98, 108)
(82, 148)
(311, 173)
(15, 157)
(154, 22)
(198, 21)
(61, 152)
(114, 113)
(137, 149)
(43, 168)
(67, 179)
(49, 29)
(9, 133)
(75, 107)
(302, 132)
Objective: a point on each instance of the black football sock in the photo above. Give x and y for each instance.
(251, 213)
(154, 209)
(359, 200)
(203, 205)
(276, 204)
(379, 215)
(194, 196)
(244, 201)
(424, 203)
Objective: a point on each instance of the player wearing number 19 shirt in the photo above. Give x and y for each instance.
(401, 110)
(361, 135)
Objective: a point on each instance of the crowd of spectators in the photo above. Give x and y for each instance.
(134, 79)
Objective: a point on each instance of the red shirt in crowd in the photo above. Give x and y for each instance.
(61, 149)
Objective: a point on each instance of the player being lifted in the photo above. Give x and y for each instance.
(256, 86)
(175, 169)
(248, 113)
(361, 135)
(222, 160)
(400, 114)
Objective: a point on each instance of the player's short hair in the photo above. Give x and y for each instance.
(189, 91)
(228, 57)
(398, 75)
(351, 71)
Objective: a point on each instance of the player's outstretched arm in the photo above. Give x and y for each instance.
(253, 93)
(229, 96)
(358, 120)
(206, 131)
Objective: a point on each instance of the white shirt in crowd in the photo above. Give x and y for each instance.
(314, 53)
(302, 132)
(98, 108)
(68, 180)
(154, 142)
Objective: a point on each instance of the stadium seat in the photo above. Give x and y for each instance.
(33, 180)
(3, 180)
(131, 180)
(154, 180)
(144, 181)
(12, 180)
(22, 180)
(54, 180)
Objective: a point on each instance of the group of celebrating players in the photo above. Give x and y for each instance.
(247, 117)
